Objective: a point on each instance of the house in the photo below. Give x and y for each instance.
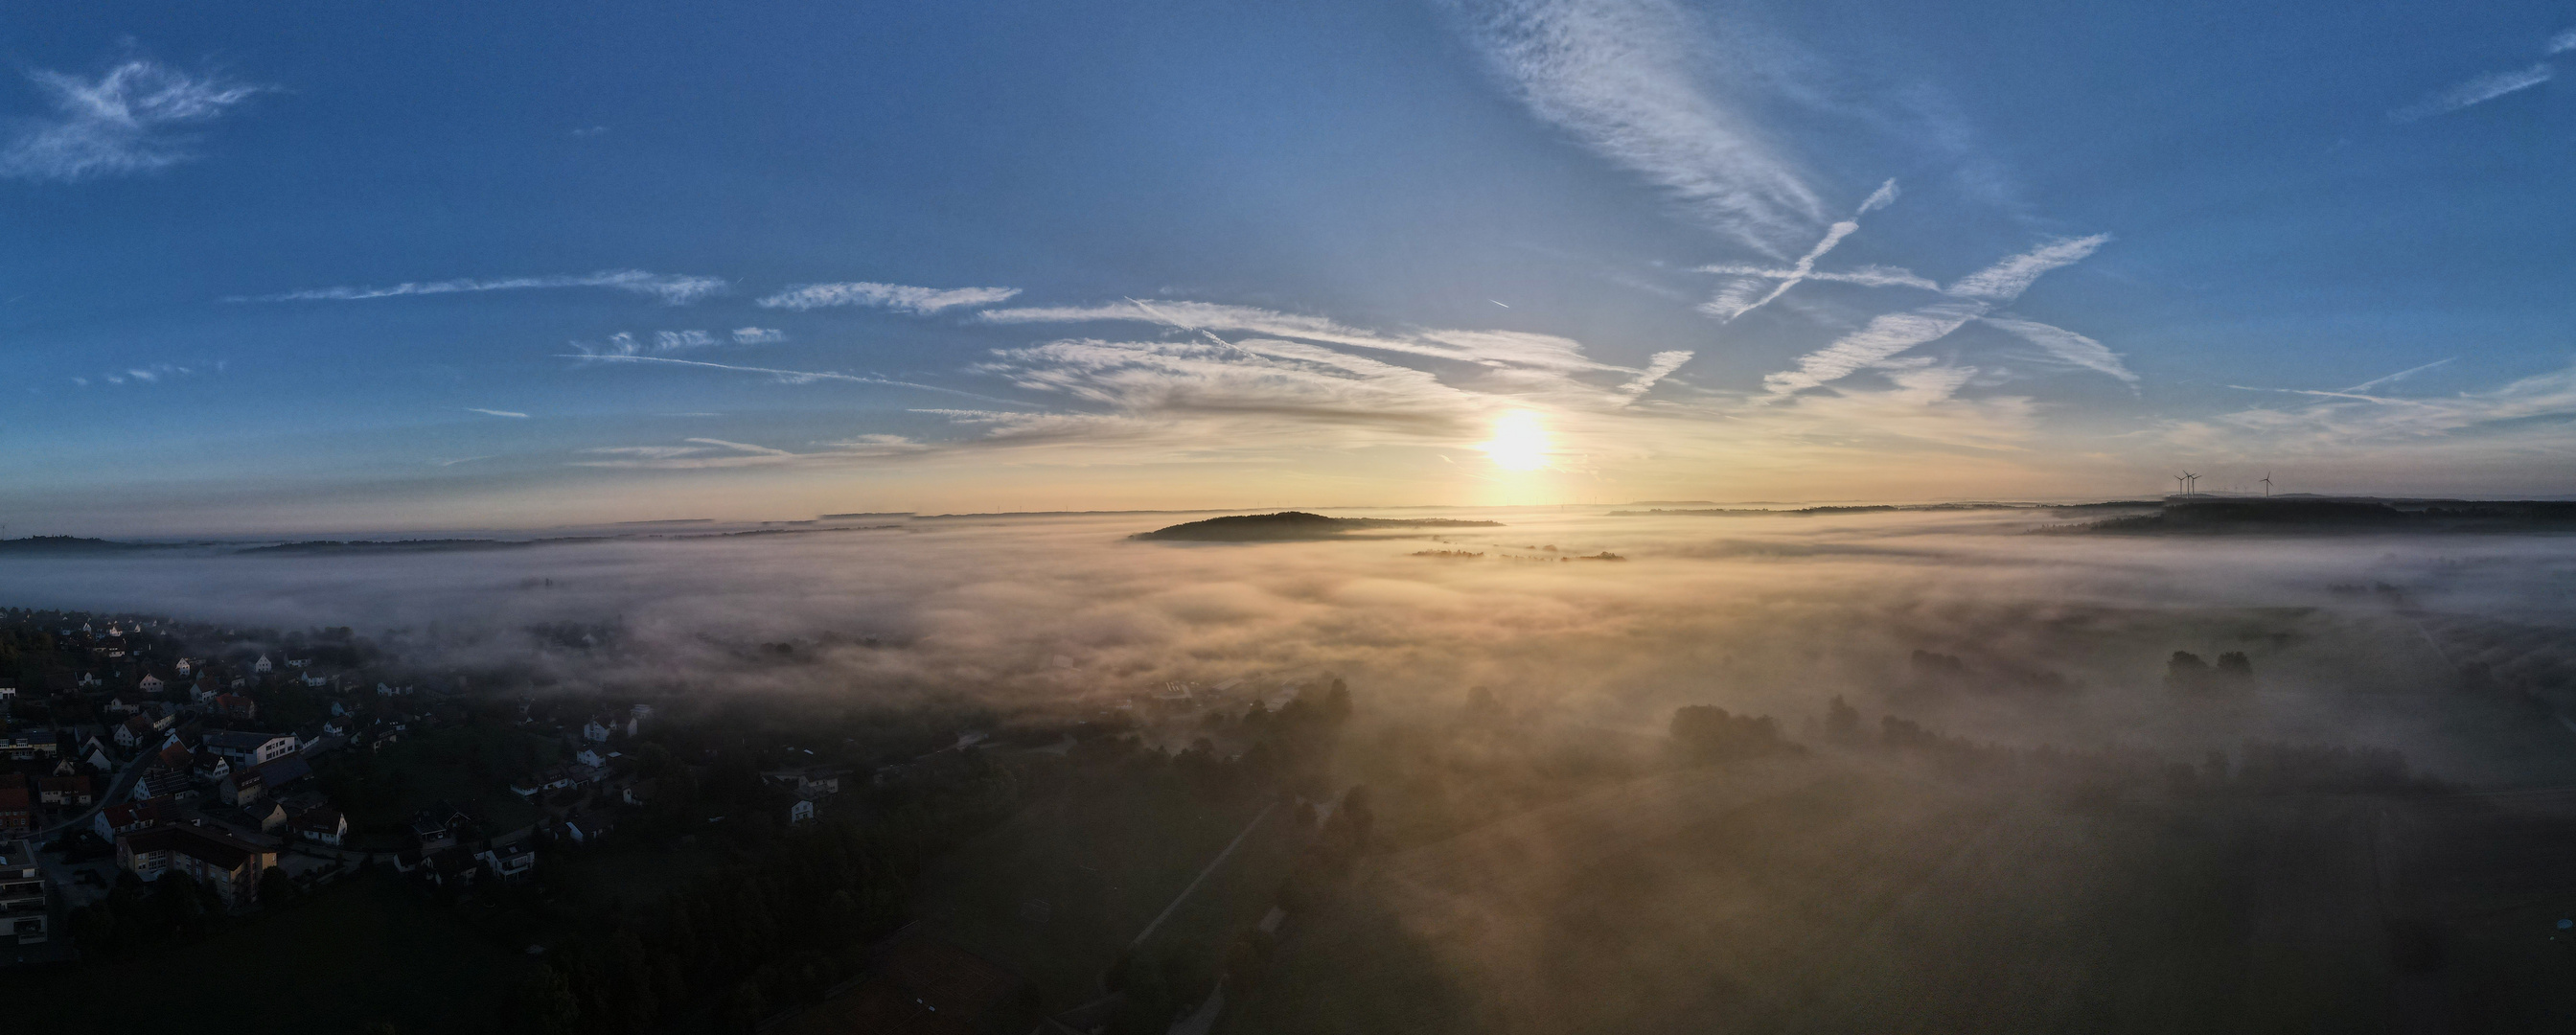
(550, 778)
(64, 790)
(247, 748)
(392, 691)
(635, 717)
(167, 783)
(641, 791)
(802, 811)
(17, 807)
(588, 828)
(298, 662)
(590, 757)
(23, 909)
(121, 704)
(284, 771)
(432, 834)
(509, 863)
(237, 706)
(266, 814)
(596, 730)
(316, 680)
(135, 732)
(322, 826)
(184, 667)
(262, 665)
(29, 745)
(133, 816)
(150, 684)
(242, 788)
(201, 851)
(202, 695)
(90, 679)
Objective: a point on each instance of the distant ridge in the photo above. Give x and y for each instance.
(1288, 525)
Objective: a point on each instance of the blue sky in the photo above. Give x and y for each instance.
(326, 266)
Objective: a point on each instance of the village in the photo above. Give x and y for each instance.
(174, 790)
(129, 751)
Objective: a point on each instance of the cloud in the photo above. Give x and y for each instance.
(2066, 346)
(916, 300)
(2398, 376)
(793, 377)
(1484, 348)
(127, 121)
(672, 289)
(1971, 297)
(2561, 43)
(757, 336)
(702, 453)
(496, 413)
(1744, 294)
(2529, 415)
(148, 374)
(1633, 80)
(673, 341)
(2476, 91)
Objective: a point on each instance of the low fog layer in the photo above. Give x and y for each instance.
(2062, 637)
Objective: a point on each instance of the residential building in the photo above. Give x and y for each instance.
(250, 749)
(509, 863)
(596, 730)
(204, 852)
(17, 807)
(132, 816)
(64, 790)
(23, 909)
(322, 826)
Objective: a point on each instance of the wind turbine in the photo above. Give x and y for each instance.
(2267, 485)
(2195, 485)
(2178, 484)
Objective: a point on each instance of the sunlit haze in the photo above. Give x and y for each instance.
(1441, 517)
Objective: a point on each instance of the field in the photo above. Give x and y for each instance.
(356, 954)
(1058, 891)
(1839, 895)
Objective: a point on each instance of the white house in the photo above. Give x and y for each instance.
(595, 730)
(322, 826)
(590, 757)
(262, 665)
(800, 812)
(150, 684)
(183, 666)
(635, 717)
(509, 862)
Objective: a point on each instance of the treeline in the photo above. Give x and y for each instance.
(775, 930)
(2260, 766)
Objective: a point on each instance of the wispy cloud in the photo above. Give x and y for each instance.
(1744, 293)
(2561, 43)
(757, 336)
(2476, 91)
(2066, 346)
(2527, 415)
(2400, 375)
(673, 341)
(793, 377)
(1635, 81)
(715, 452)
(496, 413)
(1971, 297)
(143, 375)
(129, 120)
(672, 289)
(917, 300)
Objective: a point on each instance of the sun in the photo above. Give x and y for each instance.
(1520, 442)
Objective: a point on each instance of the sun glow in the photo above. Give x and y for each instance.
(1520, 442)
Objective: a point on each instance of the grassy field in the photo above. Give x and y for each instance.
(1104, 862)
(353, 955)
(1831, 895)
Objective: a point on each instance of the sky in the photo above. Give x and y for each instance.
(288, 266)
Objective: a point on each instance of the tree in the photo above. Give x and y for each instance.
(1842, 721)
